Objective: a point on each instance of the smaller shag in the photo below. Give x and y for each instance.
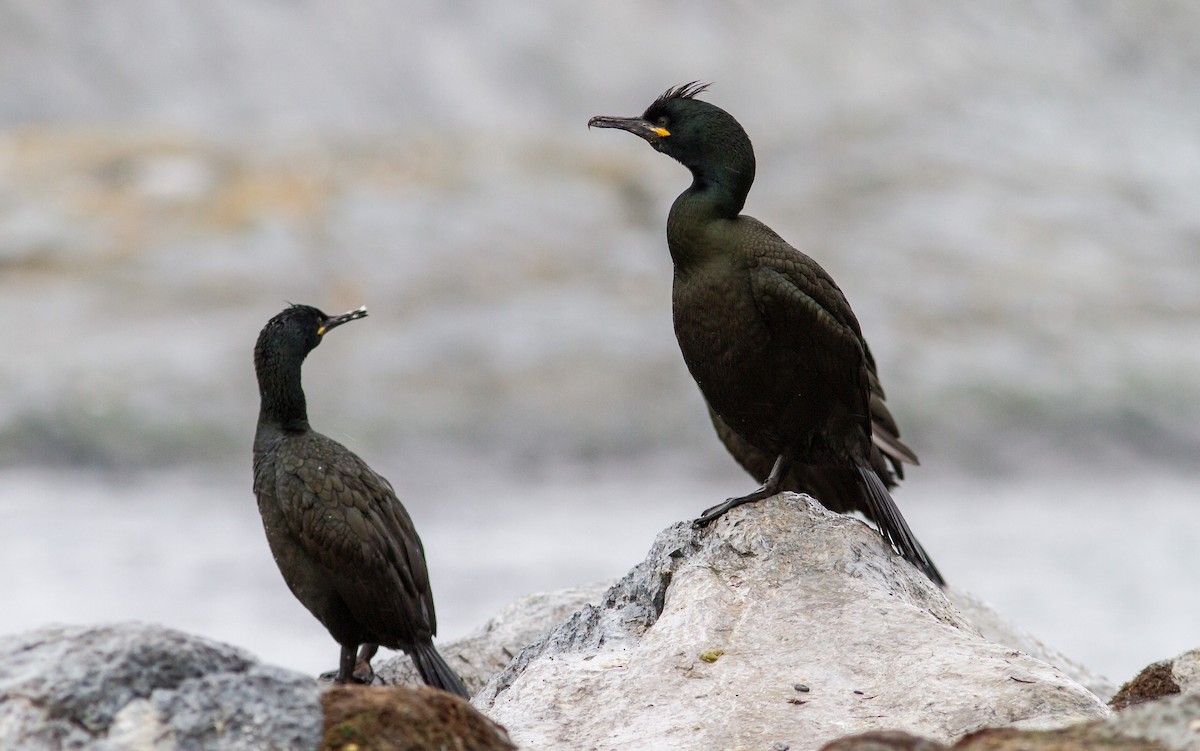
(768, 336)
(342, 540)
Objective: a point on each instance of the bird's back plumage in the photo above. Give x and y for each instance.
(346, 521)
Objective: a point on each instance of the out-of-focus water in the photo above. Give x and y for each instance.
(1006, 193)
(1103, 571)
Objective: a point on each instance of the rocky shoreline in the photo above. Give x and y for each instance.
(783, 626)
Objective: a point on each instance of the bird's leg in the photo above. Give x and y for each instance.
(363, 672)
(345, 671)
(350, 668)
(769, 488)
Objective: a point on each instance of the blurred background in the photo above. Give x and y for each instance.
(1007, 193)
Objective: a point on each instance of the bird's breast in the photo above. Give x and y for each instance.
(727, 348)
(716, 321)
(766, 392)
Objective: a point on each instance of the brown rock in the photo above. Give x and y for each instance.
(884, 740)
(1083, 737)
(400, 718)
(1154, 682)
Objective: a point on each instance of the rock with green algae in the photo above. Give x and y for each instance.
(400, 718)
(1155, 681)
(1160, 679)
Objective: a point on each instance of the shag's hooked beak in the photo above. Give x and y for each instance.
(335, 321)
(635, 125)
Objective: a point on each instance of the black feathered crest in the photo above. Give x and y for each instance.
(683, 91)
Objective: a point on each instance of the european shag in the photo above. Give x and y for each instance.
(768, 336)
(342, 540)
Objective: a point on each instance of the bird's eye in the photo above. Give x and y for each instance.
(662, 121)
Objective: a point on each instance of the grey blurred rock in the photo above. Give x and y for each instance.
(1169, 723)
(1173, 721)
(139, 686)
(700, 645)
(1186, 670)
(486, 651)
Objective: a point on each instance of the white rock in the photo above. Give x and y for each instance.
(486, 651)
(701, 645)
(995, 627)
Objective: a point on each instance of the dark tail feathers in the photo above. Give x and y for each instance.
(435, 671)
(893, 527)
